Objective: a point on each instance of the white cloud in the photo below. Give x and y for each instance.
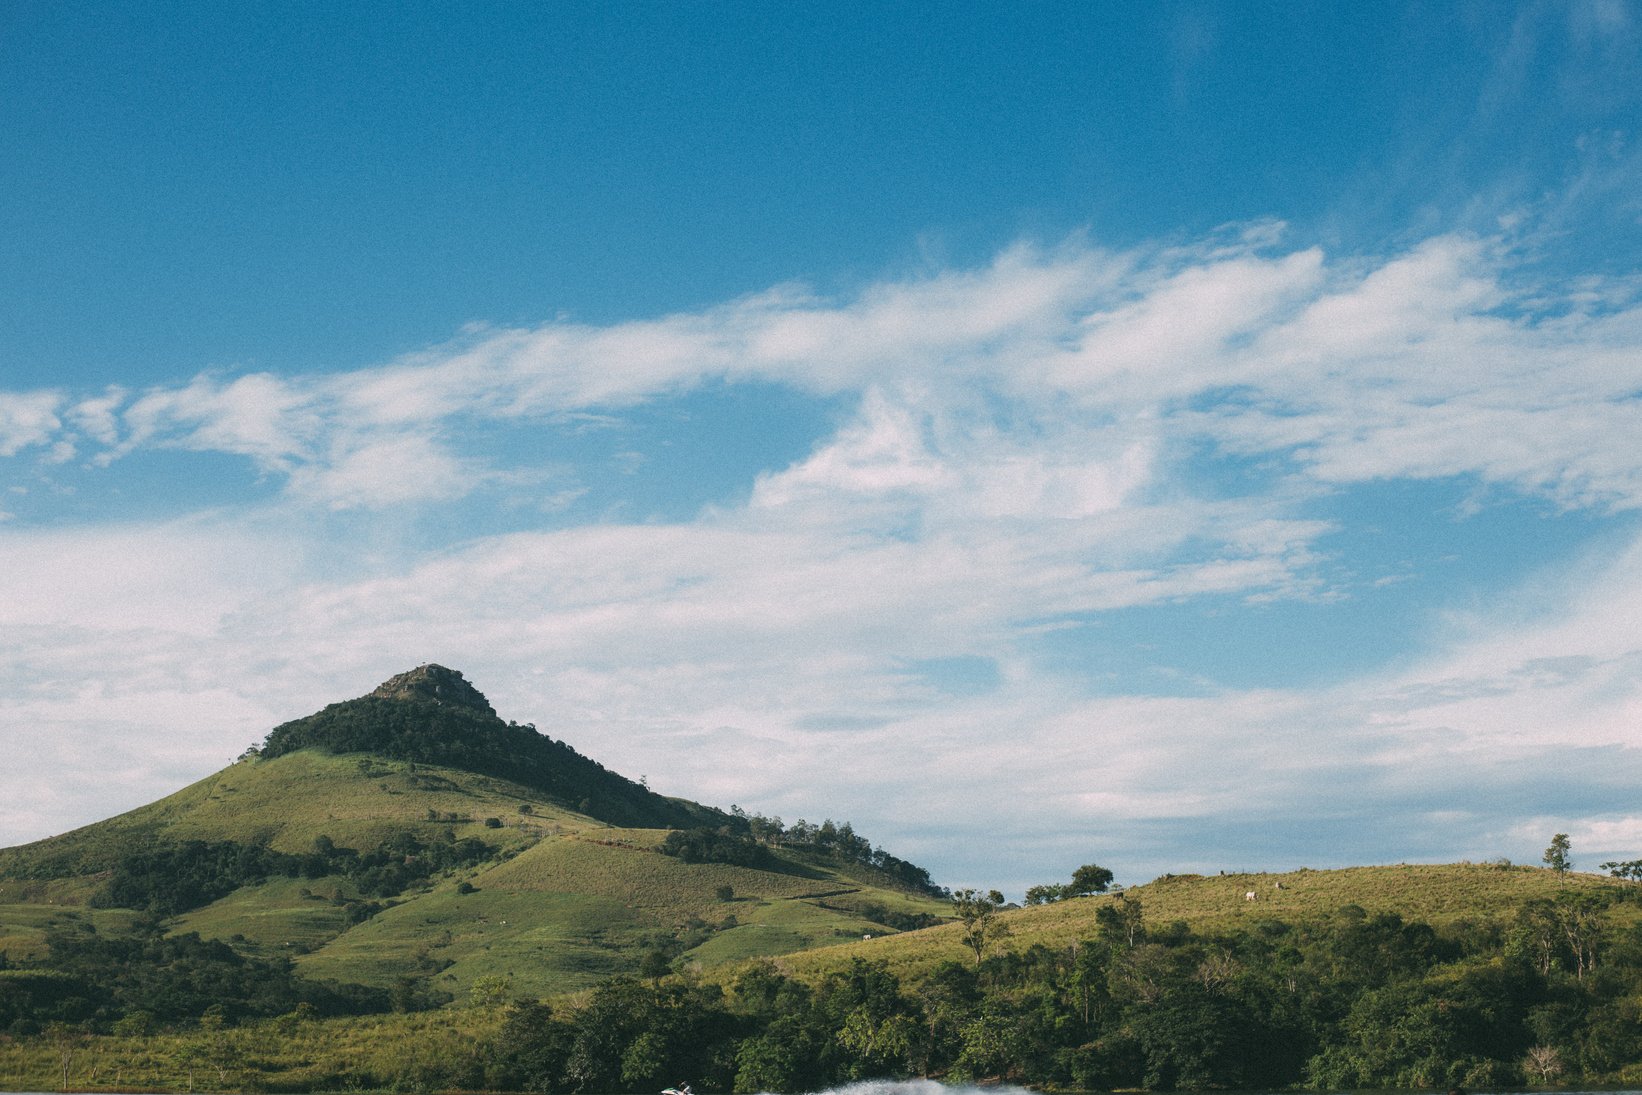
(271, 420)
(27, 418)
(1019, 456)
(1411, 366)
(386, 472)
(96, 417)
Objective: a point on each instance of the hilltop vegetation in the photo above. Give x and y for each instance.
(433, 716)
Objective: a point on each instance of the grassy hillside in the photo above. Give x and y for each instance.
(579, 907)
(564, 901)
(1437, 894)
(476, 875)
(401, 1052)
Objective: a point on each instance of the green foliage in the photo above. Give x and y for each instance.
(841, 842)
(1556, 856)
(414, 729)
(92, 979)
(712, 846)
(977, 912)
(1086, 880)
(1630, 869)
(174, 878)
(1360, 995)
(1089, 879)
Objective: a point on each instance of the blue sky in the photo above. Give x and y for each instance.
(1175, 436)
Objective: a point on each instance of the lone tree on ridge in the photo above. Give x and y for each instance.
(978, 912)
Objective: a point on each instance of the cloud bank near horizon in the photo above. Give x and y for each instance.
(894, 625)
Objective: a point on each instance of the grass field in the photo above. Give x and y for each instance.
(357, 801)
(372, 1053)
(23, 926)
(1437, 894)
(576, 908)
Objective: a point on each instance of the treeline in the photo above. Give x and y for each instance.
(174, 878)
(839, 840)
(133, 983)
(715, 846)
(1350, 1002)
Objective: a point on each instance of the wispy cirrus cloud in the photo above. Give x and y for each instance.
(1419, 365)
(1020, 452)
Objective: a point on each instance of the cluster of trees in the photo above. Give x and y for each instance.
(1351, 1001)
(839, 840)
(716, 846)
(129, 983)
(173, 878)
(1088, 879)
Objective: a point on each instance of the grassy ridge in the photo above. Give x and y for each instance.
(288, 801)
(1436, 894)
(576, 908)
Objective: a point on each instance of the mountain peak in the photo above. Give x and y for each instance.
(437, 684)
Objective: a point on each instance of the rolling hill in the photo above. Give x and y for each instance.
(383, 894)
(1442, 895)
(413, 834)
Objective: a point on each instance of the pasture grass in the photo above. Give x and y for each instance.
(283, 916)
(574, 909)
(377, 1052)
(1435, 893)
(23, 927)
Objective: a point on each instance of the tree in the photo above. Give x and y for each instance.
(978, 912)
(1089, 878)
(1545, 1061)
(1556, 856)
(489, 991)
(1044, 895)
(1627, 868)
(1123, 921)
(655, 965)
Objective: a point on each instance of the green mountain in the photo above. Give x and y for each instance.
(413, 840)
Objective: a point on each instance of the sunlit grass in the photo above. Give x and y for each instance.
(373, 1052)
(1437, 894)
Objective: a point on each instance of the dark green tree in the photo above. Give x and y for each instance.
(1088, 879)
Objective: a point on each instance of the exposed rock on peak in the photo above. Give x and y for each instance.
(437, 684)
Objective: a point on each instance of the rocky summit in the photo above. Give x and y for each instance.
(436, 683)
